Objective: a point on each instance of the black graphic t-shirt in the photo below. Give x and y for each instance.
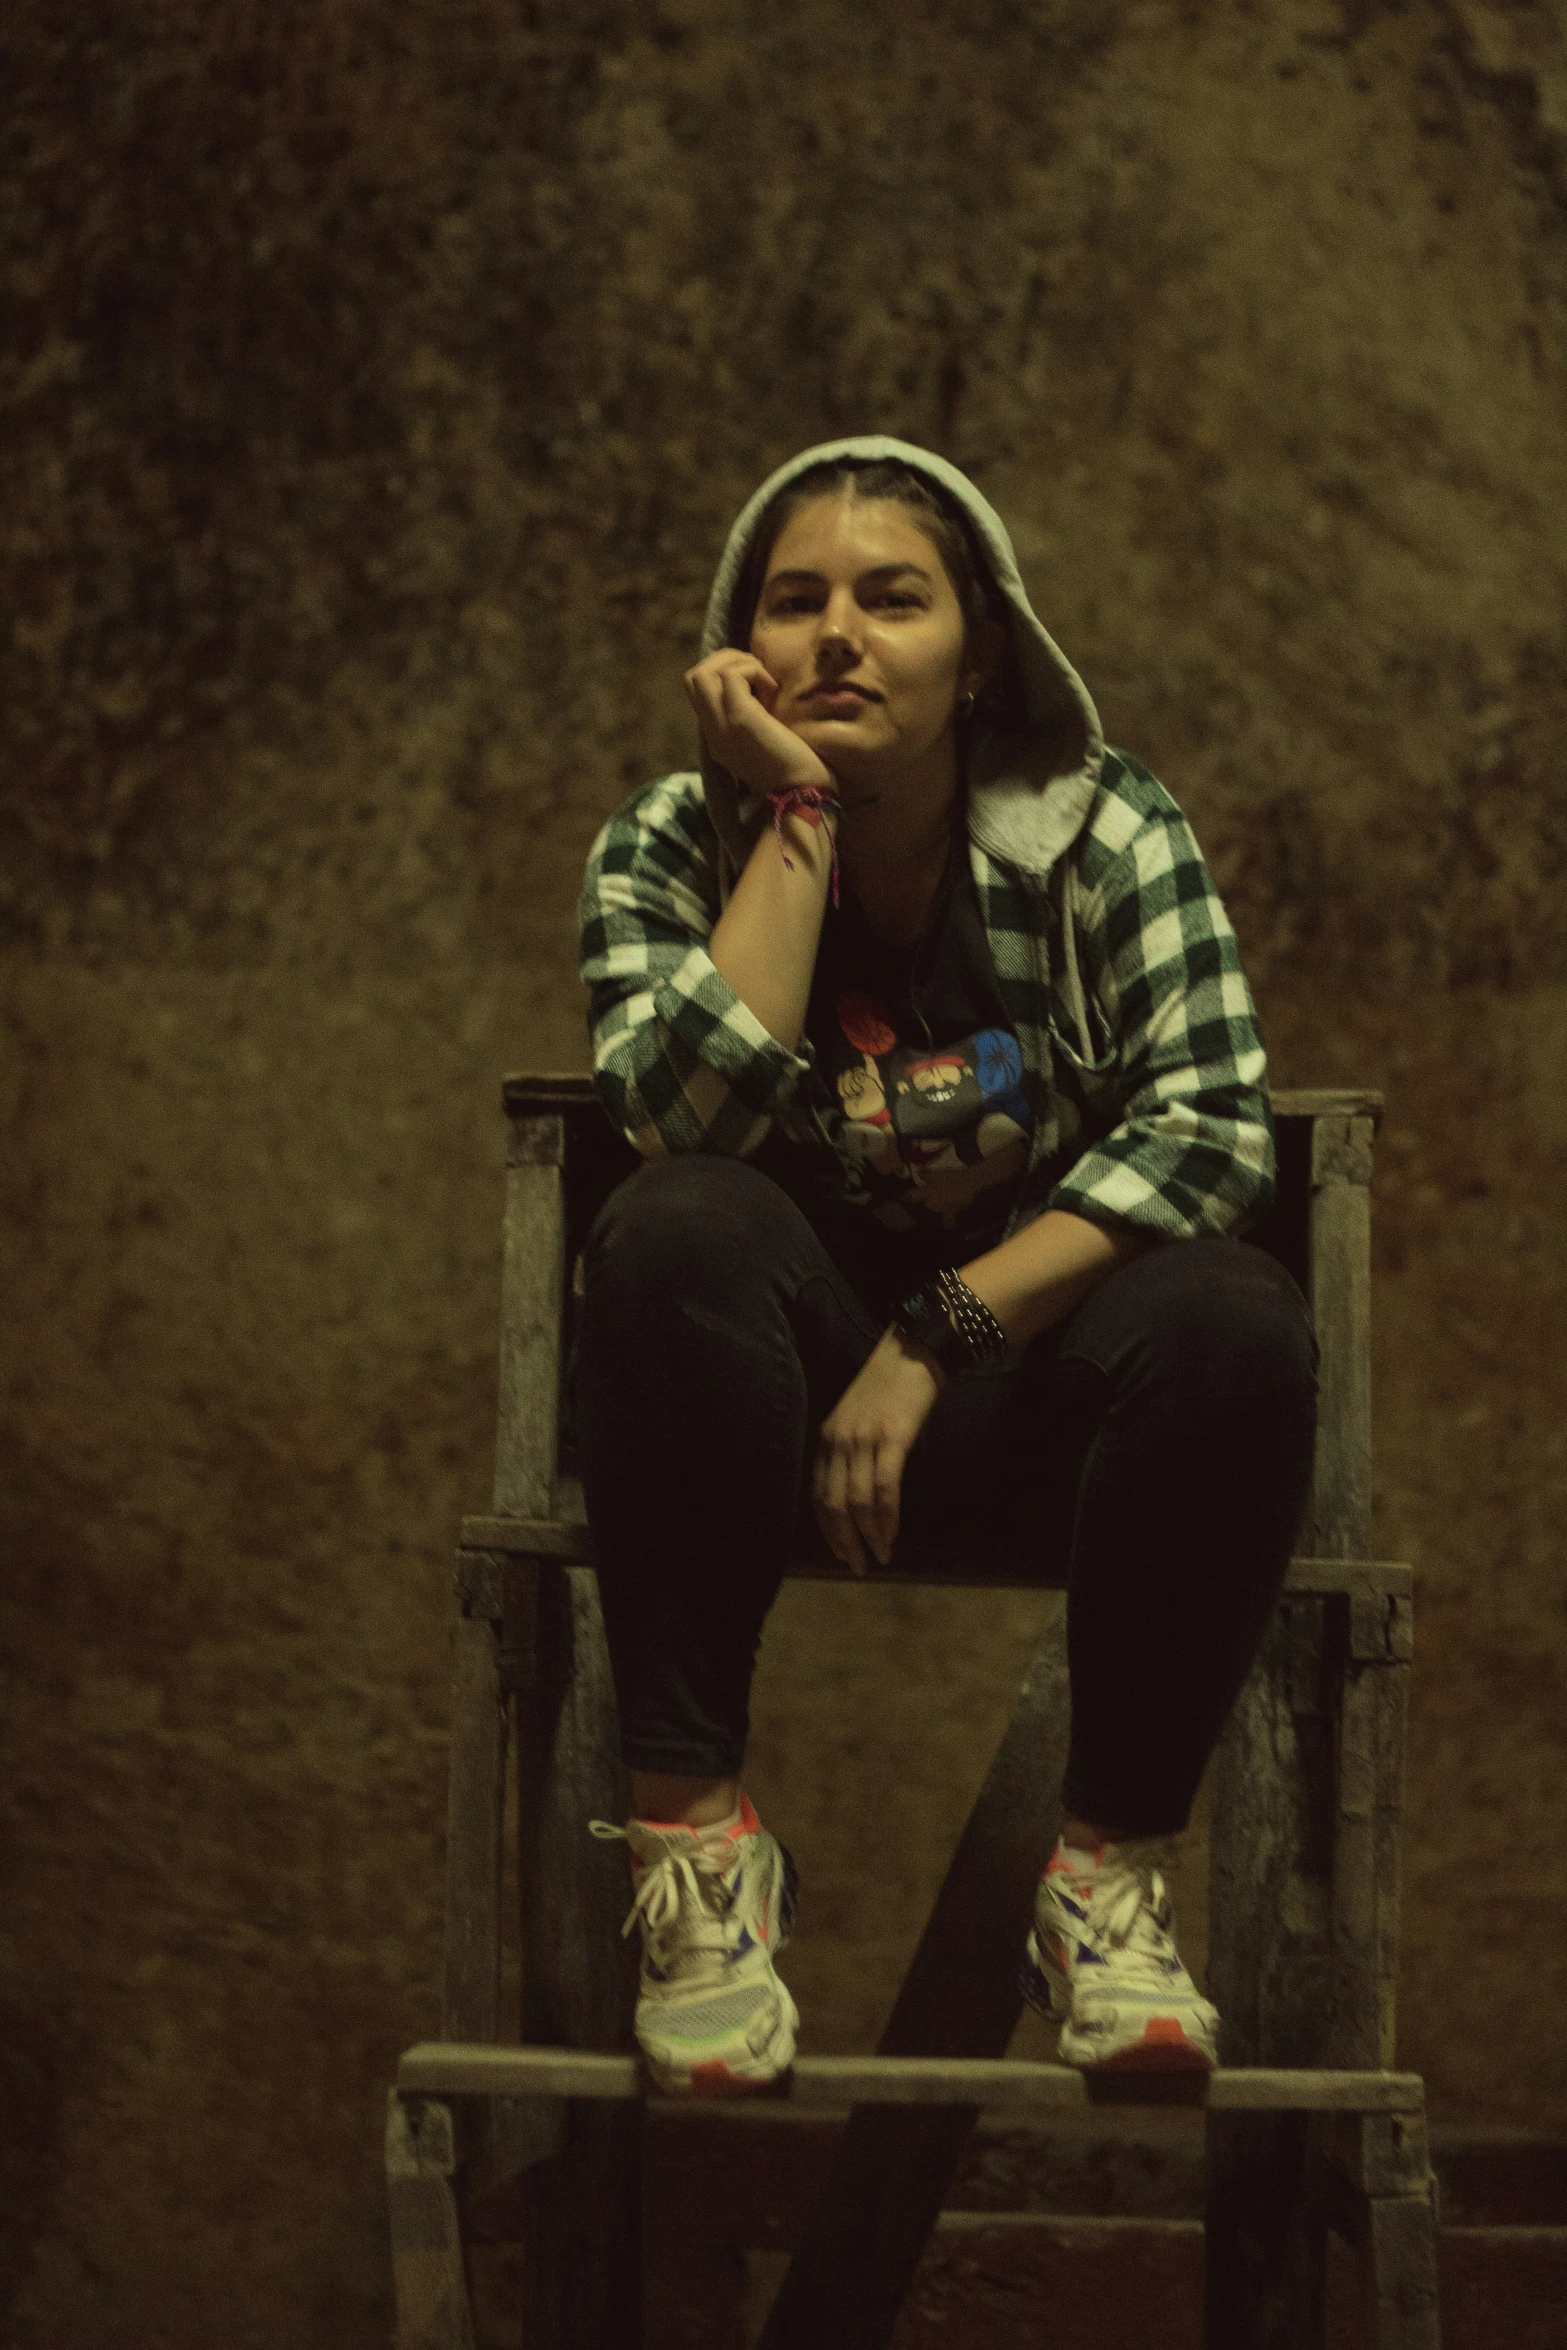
(919, 1089)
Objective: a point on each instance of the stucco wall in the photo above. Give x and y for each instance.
(386, 378)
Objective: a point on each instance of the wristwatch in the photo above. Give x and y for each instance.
(954, 1326)
(924, 1320)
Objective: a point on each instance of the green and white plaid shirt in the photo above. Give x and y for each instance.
(1118, 967)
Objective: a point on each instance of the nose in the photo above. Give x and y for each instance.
(838, 640)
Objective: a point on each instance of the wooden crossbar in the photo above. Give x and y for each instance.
(546, 1093)
(455, 2068)
(570, 1541)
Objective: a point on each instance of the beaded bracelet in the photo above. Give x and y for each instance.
(971, 1317)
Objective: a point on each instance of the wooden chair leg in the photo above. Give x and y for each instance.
(1269, 1973)
(427, 2258)
(583, 2258)
(1398, 2274)
(1383, 2202)
(847, 2282)
(475, 1801)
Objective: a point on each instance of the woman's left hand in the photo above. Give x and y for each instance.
(857, 1482)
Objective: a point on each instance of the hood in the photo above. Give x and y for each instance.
(1030, 786)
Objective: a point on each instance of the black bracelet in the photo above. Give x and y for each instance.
(953, 1325)
(970, 1314)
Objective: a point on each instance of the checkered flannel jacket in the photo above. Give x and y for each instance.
(1118, 968)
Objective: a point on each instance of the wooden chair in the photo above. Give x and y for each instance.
(1306, 2125)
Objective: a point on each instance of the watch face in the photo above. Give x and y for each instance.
(925, 1318)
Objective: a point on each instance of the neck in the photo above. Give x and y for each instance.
(892, 840)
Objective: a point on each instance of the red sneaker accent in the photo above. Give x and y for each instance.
(1163, 2048)
(1055, 1866)
(716, 2080)
(749, 1823)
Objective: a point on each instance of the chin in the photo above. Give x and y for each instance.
(840, 738)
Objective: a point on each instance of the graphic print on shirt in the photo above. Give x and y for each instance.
(927, 1133)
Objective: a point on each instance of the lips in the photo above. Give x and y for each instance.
(839, 693)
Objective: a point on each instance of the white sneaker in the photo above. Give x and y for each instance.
(1102, 1958)
(714, 1904)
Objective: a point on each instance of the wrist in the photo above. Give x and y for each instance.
(898, 1343)
(805, 822)
(950, 1324)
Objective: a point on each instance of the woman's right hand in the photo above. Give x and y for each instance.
(733, 696)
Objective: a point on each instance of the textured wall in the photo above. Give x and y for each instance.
(385, 378)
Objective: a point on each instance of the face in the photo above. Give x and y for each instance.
(860, 625)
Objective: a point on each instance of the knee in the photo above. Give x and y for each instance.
(1232, 1316)
(678, 1224)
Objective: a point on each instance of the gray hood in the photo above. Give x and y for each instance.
(1030, 788)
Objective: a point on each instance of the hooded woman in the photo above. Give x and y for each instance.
(923, 1012)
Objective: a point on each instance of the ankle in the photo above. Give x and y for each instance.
(669, 1799)
(1088, 1835)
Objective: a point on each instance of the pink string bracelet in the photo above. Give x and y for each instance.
(810, 802)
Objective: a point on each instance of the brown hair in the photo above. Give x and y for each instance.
(938, 516)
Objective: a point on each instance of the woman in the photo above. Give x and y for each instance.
(923, 1012)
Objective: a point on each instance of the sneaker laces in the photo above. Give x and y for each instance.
(1127, 1915)
(684, 1904)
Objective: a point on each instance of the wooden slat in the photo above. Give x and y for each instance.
(451, 2069)
(1269, 1974)
(1398, 2269)
(575, 1890)
(427, 2263)
(1374, 1581)
(582, 2269)
(1354, 1101)
(960, 1998)
(1369, 1797)
(1392, 1727)
(525, 1094)
(572, 1540)
(1383, 2154)
(528, 1537)
(1356, 2032)
(475, 1789)
(532, 1282)
(1340, 1265)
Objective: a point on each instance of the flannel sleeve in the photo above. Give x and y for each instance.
(1192, 1149)
(679, 1062)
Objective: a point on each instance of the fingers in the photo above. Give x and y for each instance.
(829, 1493)
(857, 1490)
(705, 681)
(741, 705)
(863, 1447)
(887, 1510)
(733, 697)
(873, 1486)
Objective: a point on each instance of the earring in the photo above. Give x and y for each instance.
(966, 705)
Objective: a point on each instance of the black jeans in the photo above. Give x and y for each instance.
(1154, 1450)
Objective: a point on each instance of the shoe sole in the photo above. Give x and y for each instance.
(1163, 2048)
(711, 2077)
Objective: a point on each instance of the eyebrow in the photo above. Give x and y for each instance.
(879, 571)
